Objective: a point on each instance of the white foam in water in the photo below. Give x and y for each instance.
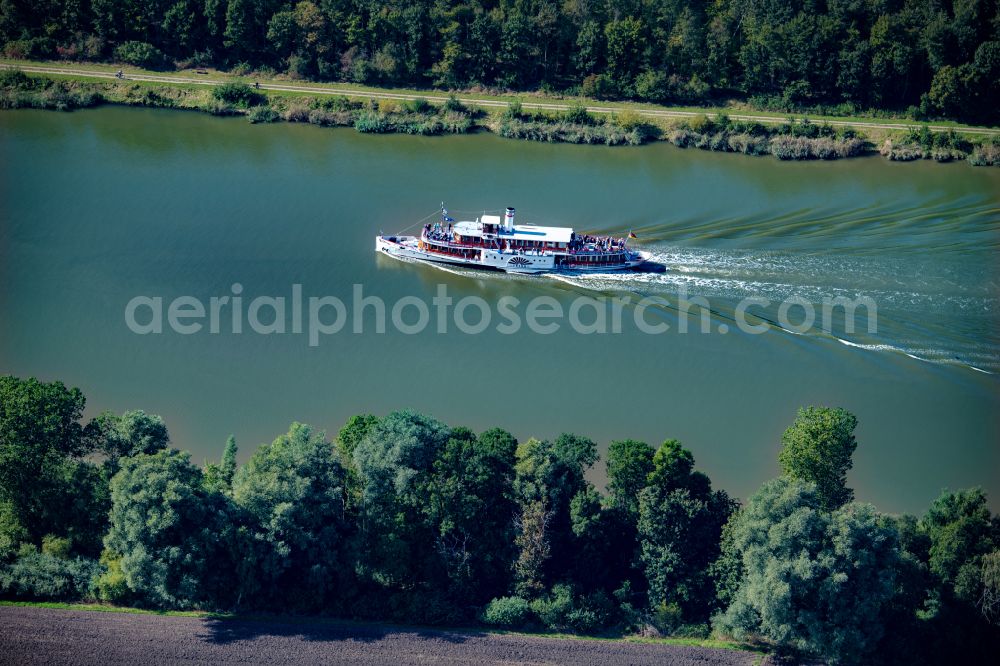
(929, 312)
(443, 267)
(566, 279)
(892, 348)
(947, 307)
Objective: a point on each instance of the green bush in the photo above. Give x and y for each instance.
(47, 94)
(577, 114)
(804, 129)
(561, 131)
(144, 96)
(629, 120)
(599, 86)
(814, 580)
(748, 144)
(651, 86)
(952, 140)
(513, 110)
(298, 67)
(262, 114)
(372, 122)
(591, 614)
(985, 154)
(667, 618)
(56, 546)
(335, 103)
(638, 133)
(36, 48)
(41, 576)
(297, 113)
(699, 631)
(453, 105)
(508, 612)
(826, 130)
(140, 54)
(424, 126)
(237, 94)
(682, 138)
(330, 118)
(387, 106)
(554, 610)
(15, 79)
(749, 127)
(900, 152)
(701, 124)
(719, 141)
(563, 611)
(12, 532)
(786, 147)
(110, 585)
(219, 108)
(419, 105)
(454, 122)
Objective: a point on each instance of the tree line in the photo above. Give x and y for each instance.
(932, 58)
(404, 518)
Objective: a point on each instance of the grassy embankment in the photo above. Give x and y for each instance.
(538, 118)
(107, 608)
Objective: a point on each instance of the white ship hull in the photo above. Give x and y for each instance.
(510, 261)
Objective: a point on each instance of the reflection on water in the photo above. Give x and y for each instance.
(99, 206)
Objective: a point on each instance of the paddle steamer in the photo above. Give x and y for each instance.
(496, 243)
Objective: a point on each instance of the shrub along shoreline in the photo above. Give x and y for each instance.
(792, 140)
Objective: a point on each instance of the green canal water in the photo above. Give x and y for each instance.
(98, 207)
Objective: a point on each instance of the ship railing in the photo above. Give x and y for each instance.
(451, 242)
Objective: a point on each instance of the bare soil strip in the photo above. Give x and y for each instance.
(50, 636)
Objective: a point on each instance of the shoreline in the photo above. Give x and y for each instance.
(396, 113)
(532, 100)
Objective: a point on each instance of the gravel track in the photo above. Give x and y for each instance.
(50, 636)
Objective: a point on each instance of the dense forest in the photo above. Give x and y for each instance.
(927, 58)
(403, 518)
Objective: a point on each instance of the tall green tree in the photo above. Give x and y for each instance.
(42, 440)
(292, 496)
(628, 466)
(940, 610)
(173, 539)
(470, 506)
(395, 461)
(354, 431)
(817, 448)
(680, 524)
(243, 32)
(220, 476)
(938, 57)
(962, 531)
(130, 434)
(814, 581)
(549, 474)
(625, 45)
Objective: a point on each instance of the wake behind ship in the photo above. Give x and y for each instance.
(496, 243)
